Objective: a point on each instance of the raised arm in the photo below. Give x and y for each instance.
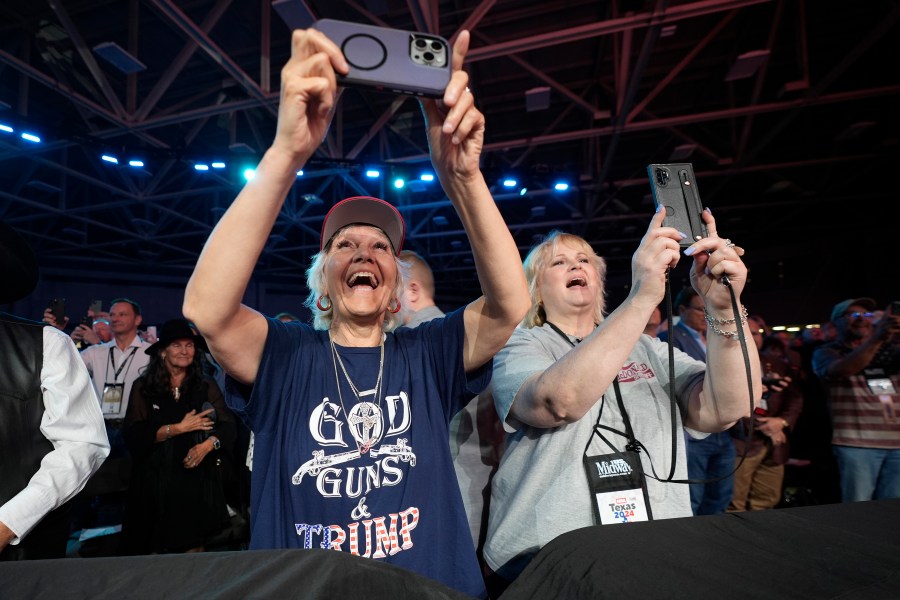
(235, 333)
(456, 136)
(854, 362)
(724, 396)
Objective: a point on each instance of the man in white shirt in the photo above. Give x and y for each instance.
(51, 430)
(115, 365)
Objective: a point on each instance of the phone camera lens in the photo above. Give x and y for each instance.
(436, 46)
(420, 43)
(662, 176)
(428, 57)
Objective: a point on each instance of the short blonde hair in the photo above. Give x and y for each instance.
(315, 281)
(539, 258)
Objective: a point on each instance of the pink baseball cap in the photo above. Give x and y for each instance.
(364, 210)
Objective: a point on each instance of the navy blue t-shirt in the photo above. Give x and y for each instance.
(370, 475)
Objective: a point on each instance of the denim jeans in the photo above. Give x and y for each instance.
(868, 473)
(711, 458)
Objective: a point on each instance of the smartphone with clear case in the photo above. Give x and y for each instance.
(391, 60)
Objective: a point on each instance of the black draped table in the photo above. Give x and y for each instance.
(846, 551)
(244, 575)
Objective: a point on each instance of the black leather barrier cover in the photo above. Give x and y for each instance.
(269, 574)
(846, 551)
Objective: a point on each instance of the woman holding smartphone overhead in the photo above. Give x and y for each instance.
(585, 396)
(350, 418)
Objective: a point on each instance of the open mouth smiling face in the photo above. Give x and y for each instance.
(361, 267)
(569, 279)
(577, 281)
(362, 279)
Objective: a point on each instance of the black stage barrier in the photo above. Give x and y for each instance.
(256, 574)
(846, 551)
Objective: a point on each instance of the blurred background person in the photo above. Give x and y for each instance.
(417, 300)
(710, 458)
(861, 371)
(98, 332)
(476, 436)
(759, 476)
(178, 432)
(114, 366)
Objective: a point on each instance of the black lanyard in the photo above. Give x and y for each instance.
(633, 445)
(564, 336)
(126, 361)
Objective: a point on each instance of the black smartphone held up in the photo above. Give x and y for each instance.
(58, 308)
(675, 188)
(96, 306)
(895, 307)
(391, 60)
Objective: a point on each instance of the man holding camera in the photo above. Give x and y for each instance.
(861, 371)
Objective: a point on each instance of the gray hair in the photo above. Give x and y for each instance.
(315, 281)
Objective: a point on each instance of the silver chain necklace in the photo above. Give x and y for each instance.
(368, 420)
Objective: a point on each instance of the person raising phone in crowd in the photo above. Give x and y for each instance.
(351, 418)
(861, 371)
(585, 397)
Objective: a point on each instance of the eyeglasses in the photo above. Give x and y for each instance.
(856, 315)
(700, 309)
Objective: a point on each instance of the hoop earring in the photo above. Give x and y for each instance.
(396, 310)
(319, 303)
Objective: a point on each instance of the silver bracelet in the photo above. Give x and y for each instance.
(713, 323)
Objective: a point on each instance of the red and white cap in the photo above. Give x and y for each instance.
(364, 210)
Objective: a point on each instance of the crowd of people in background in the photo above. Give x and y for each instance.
(785, 456)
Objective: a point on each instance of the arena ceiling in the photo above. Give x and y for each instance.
(786, 108)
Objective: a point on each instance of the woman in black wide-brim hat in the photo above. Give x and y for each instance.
(178, 431)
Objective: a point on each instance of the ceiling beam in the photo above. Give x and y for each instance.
(219, 56)
(178, 64)
(664, 122)
(88, 58)
(591, 30)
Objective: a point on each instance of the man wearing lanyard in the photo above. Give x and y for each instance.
(114, 367)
